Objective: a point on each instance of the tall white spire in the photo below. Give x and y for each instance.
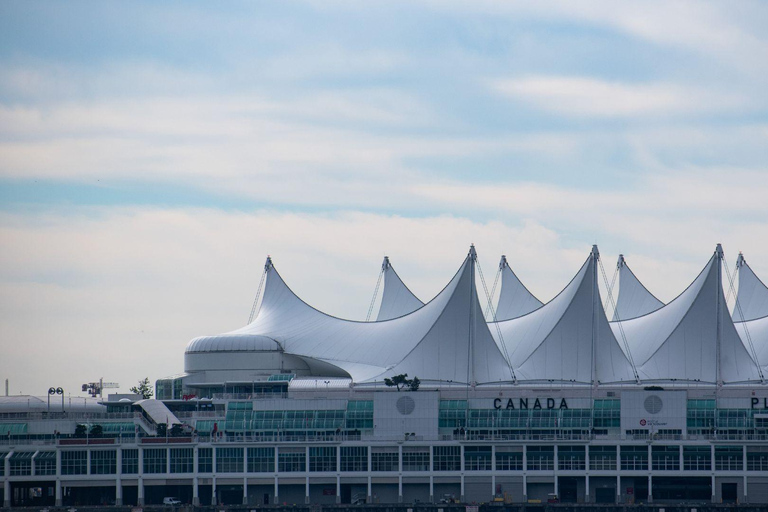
(396, 299)
(514, 299)
(633, 299)
(752, 297)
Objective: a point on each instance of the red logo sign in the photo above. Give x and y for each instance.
(642, 422)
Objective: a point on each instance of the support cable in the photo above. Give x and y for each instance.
(610, 291)
(496, 324)
(375, 293)
(258, 294)
(737, 307)
(621, 327)
(493, 293)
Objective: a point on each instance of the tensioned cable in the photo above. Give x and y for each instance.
(495, 323)
(731, 287)
(618, 321)
(743, 323)
(493, 292)
(375, 293)
(258, 294)
(610, 290)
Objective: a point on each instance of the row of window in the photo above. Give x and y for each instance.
(241, 417)
(414, 458)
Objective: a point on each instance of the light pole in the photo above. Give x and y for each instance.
(55, 391)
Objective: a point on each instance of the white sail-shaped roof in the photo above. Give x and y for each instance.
(754, 335)
(567, 339)
(752, 297)
(634, 299)
(437, 332)
(514, 299)
(682, 340)
(396, 299)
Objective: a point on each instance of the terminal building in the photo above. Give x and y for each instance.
(520, 401)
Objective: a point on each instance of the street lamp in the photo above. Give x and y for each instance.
(55, 391)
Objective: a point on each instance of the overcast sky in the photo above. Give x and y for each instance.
(152, 154)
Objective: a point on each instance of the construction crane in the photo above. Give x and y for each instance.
(96, 388)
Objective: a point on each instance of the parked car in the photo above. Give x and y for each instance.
(168, 500)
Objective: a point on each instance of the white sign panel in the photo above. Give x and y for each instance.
(654, 410)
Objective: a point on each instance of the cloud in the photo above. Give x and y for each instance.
(580, 96)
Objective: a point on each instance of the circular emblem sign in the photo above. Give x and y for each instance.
(653, 404)
(642, 422)
(405, 405)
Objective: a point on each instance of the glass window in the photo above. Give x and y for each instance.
(74, 462)
(571, 458)
(354, 458)
(182, 460)
(541, 458)
(477, 458)
(634, 457)
(452, 414)
(155, 460)
(261, 460)
(322, 458)
(415, 458)
(359, 414)
(205, 460)
(729, 458)
(291, 459)
(447, 458)
(229, 460)
(103, 462)
(130, 461)
(665, 457)
(757, 458)
(385, 459)
(45, 463)
(697, 458)
(21, 464)
(509, 458)
(606, 413)
(602, 458)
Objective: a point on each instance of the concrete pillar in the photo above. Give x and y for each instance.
(87, 461)
(744, 472)
(431, 489)
(245, 478)
(306, 489)
(119, 477)
(277, 496)
(338, 475)
(59, 500)
(338, 489)
(195, 480)
(400, 473)
(618, 489)
(7, 491)
(461, 452)
(462, 487)
(712, 468)
(140, 491)
(586, 468)
(525, 473)
(493, 469)
(369, 498)
(214, 498)
(650, 488)
(586, 488)
(555, 467)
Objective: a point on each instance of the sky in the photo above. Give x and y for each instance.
(152, 154)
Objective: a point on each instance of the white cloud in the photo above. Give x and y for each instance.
(580, 96)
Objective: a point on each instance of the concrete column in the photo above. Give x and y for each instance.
(245, 478)
(306, 489)
(493, 471)
(277, 496)
(712, 468)
(119, 476)
(58, 493)
(58, 501)
(461, 466)
(214, 498)
(650, 488)
(140, 491)
(369, 498)
(525, 473)
(195, 480)
(555, 466)
(400, 473)
(87, 461)
(462, 487)
(618, 489)
(431, 489)
(586, 468)
(682, 462)
(338, 474)
(744, 472)
(7, 490)
(167, 460)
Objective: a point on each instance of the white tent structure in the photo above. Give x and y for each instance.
(396, 299)
(514, 299)
(568, 339)
(633, 299)
(692, 338)
(752, 297)
(750, 312)
(445, 340)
